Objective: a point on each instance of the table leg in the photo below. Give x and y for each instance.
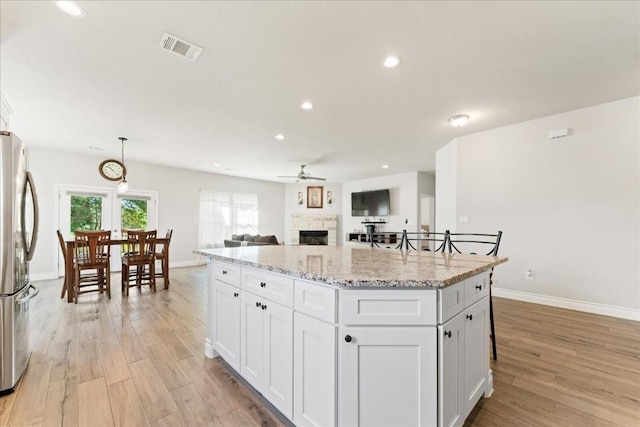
(165, 268)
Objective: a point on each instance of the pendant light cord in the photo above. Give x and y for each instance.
(122, 140)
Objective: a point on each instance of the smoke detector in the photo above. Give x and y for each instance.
(180, 47)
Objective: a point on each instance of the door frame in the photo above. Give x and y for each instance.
(112, 212)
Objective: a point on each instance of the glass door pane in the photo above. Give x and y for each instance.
(133, 210)
(82, 208)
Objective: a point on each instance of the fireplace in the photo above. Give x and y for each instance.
(314, 237)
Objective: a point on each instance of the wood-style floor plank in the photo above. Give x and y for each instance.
(93, 404)
(126, 406)
(140, 361)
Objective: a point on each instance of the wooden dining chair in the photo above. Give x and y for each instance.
(138, 260)
(161, 256)
(63, 248)
(474, 243)
(92, 251)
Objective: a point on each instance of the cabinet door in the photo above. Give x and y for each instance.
(226, 322)
(252, 339)
(476, 360)
(451, 372)
(388, 376)
(277, 386)
(314, 372)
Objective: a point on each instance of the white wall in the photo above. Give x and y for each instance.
(403, 190)
(569, 208)
(446, 187)
(178, 200)
(291, 205)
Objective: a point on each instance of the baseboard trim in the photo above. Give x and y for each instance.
(190, 263)
(589, 307)
(38, 277)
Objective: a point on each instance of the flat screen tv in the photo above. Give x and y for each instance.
(370, 203)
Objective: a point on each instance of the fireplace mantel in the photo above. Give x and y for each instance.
(314, 222)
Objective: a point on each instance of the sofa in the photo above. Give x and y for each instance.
(250, 240)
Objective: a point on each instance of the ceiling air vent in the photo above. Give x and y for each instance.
(180, 47)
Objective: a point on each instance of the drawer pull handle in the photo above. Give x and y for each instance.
(447, 334)
(235, 295)
(264, 306)
(479, 287)
(348, 338)
(262, 284)
(224, 272)
(258, 304)
(470, 316)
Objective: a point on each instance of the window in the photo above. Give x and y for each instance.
(224, 214)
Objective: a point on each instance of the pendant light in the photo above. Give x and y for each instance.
(123, 186)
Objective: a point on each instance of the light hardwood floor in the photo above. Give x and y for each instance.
(139, 361)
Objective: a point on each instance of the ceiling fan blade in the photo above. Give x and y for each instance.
(287, 176)
(315, 178)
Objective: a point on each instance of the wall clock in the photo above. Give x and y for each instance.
(112, 169)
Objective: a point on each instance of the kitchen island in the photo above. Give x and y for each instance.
(354, 336)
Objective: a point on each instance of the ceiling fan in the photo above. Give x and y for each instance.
(303, 176)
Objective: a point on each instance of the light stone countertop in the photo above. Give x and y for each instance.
(348, 266)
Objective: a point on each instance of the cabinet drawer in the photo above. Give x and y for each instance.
(227, 272)
(274, 287)
(316, 301)
(476, 288)
(450, 301)
(386, 307)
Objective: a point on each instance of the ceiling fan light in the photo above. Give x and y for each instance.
(459, 120)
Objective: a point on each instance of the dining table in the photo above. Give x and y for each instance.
(69, 270)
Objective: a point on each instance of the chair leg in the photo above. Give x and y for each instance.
(108, 282)
(76, 287)
(493, 329)
(152, 275)
(64, 286)
(165, 273)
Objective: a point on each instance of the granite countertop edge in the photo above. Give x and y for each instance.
(354, 283)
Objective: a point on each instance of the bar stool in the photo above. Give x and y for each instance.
(474, 241)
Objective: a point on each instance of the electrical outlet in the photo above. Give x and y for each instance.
(529, 274)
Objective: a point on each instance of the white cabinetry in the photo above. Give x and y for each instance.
(225, 315)
(314, 372)
(475, 352)
(266, 349)
(450, 371)
(463, 366)
(387, 376)
(326, 356)
(314, 355)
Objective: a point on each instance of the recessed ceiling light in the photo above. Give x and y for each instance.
(70, 8)
(391, 61)
(306, 105)
(279, 137)
(216, 164)
(459, 120)
(385, 166)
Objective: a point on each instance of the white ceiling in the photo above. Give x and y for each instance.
(74, 83)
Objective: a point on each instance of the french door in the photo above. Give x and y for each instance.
(96, 208)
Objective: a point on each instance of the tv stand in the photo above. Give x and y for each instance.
(382, 238)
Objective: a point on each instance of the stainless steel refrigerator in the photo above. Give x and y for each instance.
(18, 236)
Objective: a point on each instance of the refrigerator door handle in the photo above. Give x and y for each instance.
(36, 215)
(30, 296)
